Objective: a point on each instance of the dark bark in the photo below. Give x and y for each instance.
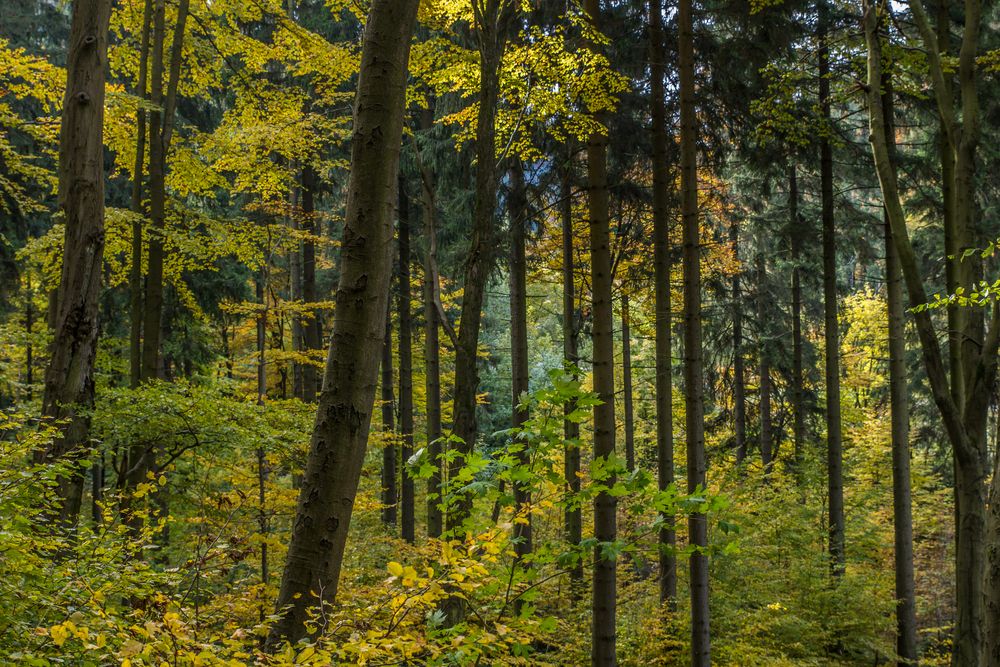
(739, 369)
(899, 402)
(432, 352)
(294, 221)
(572, 519)
(160, 130)
(311, 338)
(627, 386)
(798, 389)
(406, 499)
(390, 453)
(831, 327)
(492, 21)
(340, 435)
(135, 271)
(69, 381)
(766, 420)
(604, 603)
(693, 372)
(661, 261)
(519, 349)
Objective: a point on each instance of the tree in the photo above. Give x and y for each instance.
(340, 434)
(406, 500)
(518, 214)
(831, 324)
(661, 261)
(693, 372)
(492, 22)
(604, 601)
(69, 381)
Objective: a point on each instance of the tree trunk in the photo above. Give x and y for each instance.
(519, 350)
(295, 291)
(340, 435)
(135, 271)
(310, 328)
(661, 261)
(831, 328)
(390, 453)
(693, 373)
(766, 445)
(798, 389)
(739, 370)
(69, 381)
(902, 512)
(603, 616)
(627, 386)
(572, 520)
(406, 508)
(491, 26)
(432, 353)
(160, 129)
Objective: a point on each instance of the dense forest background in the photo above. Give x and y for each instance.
(476, 332)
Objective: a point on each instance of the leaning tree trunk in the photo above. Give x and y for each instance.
(661, 262)
(604, 603)
(831, 329)
(693, 372)
(69, 378)
(340, 434)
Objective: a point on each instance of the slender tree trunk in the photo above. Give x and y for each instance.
(906, 622)
(135, 271)
(493, 18)
(572, 519)
(902, 512)
(29, 328)
(160, 130)
(603, 629)
(263, 526)
(739, 370)
(69, 381)
(406, 499)
(310, 328)
(661, 261)
(390, 453)
(766, 445)
(295, 292)
(518, 208)
(693, 373)
(153, 301)
(627, 385)
(834, 442)
(340, 435)
(798, 390)
(432, 353)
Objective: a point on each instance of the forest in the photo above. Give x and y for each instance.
(499, 332)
